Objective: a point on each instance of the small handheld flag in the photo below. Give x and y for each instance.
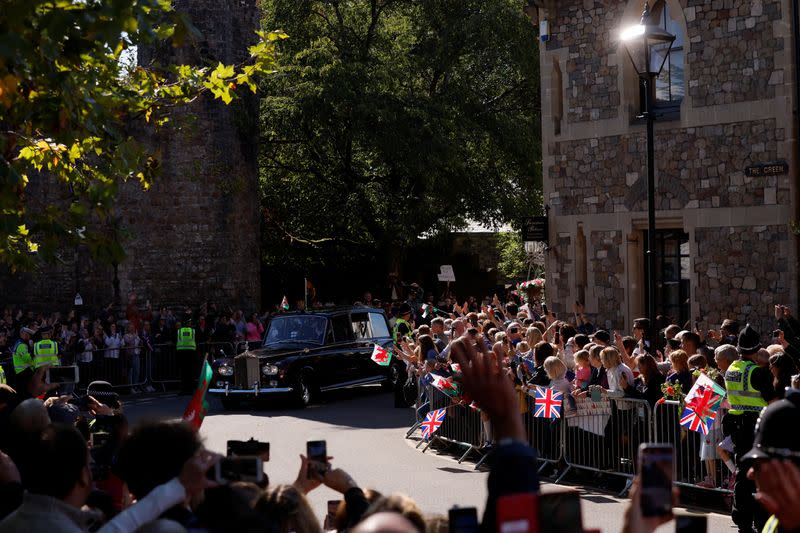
(456, 367)
(432, 422)
(447, 386)
(285, 304)
(381, 356)
(197, 408)
(702, 404)
(547, 403)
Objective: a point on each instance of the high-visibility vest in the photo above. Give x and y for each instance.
(22, 357)
(45, 352)
(743, 397)
(2, 376)
(397, 328)
(186, 339)
(772, 525)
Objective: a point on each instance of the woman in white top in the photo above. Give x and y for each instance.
(113, 343)
(620, 376)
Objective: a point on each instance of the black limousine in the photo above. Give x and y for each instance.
(305, 353)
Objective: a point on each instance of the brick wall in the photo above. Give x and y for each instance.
(607, 268)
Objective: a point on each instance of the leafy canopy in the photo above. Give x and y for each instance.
(393, 119)
(68, 104)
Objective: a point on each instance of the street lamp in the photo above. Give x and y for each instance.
(648, 46)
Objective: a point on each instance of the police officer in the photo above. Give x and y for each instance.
(777, 440)
(22, 355)
(749, 390)
(402, 329)
(45, 352)
(186, 347)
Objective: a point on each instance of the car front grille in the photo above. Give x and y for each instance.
(245, 371)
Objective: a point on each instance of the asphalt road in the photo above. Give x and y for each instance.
(365, 435)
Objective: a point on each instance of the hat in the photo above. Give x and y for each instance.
(749, 341)
(405, 309)
(603, 336)
(777, 431)
(29, 331)
(46, 329)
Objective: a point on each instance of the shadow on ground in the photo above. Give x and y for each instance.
(368, 407)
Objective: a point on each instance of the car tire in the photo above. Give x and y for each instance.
(229, 403)
(304, 390)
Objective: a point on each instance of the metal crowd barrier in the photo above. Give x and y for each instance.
(121, 367)
(462, 425)
(164, 365)
(697, 459)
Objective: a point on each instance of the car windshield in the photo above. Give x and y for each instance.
(301, 329)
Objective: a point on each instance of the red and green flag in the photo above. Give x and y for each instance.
(381, 355)
(285, 304)
(447, 386)
(198, 407)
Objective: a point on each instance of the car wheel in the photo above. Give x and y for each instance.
(304, 390)
(229, 403)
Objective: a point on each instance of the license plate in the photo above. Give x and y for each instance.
(273, 383)
(221, 384)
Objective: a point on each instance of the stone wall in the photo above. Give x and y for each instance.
(695, 167)
(742, 272)
(584, 28)
(607, 269)
(195, 235)
(558, 279)
(731, 50)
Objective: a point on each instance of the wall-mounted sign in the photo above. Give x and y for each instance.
(535, 229)
(769, 169)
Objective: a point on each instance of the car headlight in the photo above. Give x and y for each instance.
(269, 370)
(225, 370)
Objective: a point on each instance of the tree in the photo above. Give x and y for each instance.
(395, 119)
(70, 102)
(516, 263)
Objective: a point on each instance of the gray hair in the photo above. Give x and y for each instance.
(727, 352)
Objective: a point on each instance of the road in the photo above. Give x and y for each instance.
(365, 435)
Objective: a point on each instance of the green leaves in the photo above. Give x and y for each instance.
(67, 102)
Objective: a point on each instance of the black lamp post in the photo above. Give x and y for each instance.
(648, 46)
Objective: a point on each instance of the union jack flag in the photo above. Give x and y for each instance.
(702, 404)
(432, 422)
(548, 402)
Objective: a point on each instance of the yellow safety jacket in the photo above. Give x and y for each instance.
(186, 339)
(45, 352)
(743, 397)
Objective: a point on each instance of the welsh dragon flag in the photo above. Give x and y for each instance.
(447, 386)
(285, 304)
(197, 408)
(702, 404)
(381, 356)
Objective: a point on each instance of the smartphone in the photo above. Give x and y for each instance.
(776, 334)
(231, 469)
(317, 453)
(98, 439)
(544, 308)
(691, 523)
(596, 395)
(61, 374)
(656, 463)
(560, 511)
(463, 520)
(518, 513)
(252, 448)
(330, 517)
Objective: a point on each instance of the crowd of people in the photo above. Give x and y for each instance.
(154, 477)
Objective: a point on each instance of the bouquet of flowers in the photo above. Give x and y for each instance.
(538, 283)
(671, 391)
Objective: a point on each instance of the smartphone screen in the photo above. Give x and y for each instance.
(463, 520)
(317, 453)
(231, 469)
(561, 512)
(518, 513)
(61, 374)
(330, 517)
(252, 447)
(691, 523)
(656, 465)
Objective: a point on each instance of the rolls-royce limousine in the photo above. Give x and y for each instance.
(306, 353)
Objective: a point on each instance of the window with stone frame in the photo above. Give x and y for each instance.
(669, 88)
(672, 276)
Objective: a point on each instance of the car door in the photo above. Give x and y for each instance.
(341, 356)
(362, 331)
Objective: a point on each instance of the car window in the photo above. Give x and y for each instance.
(361, 326)
(296, 328)
(379, 326)
(342, 331)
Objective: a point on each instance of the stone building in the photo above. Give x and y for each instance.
(194, 236)
(726, 107)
